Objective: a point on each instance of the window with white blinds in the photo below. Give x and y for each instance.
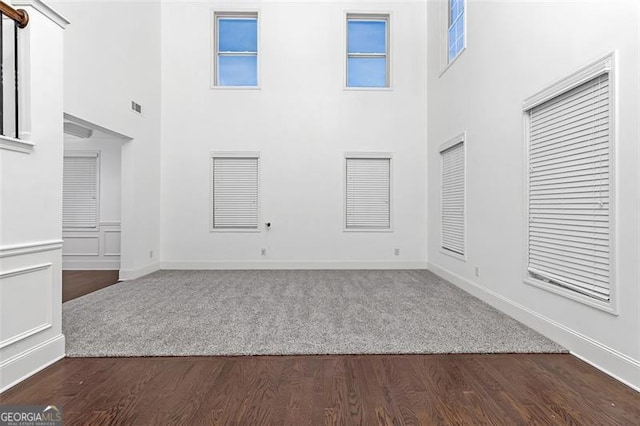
(569, 185)
(368, 193)
(80, 190)
(235, 192)
(453, 192)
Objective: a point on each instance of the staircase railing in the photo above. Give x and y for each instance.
(21, 20)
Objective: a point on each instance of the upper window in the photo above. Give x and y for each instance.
(80, 189)
(368, 192)
(455, 33)
(235, 191)
(236, 49)
(570, 179)
(453, 195)
(367, 50)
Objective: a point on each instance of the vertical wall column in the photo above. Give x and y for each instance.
(31, 205)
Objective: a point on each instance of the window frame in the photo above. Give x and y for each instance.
(234, 154)
(605, 64)
(240, 14)
(87, 153)
(365, 156)
(459, 139)
(445, 11)
(368, 16)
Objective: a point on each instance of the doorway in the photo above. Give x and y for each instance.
(92, 205)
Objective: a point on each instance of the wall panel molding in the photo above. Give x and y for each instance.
(24, 283)
(29, 248)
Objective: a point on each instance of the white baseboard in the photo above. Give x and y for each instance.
(90, 265)
(18, 368)
(612, 362)
(131, 274)
(277, 264)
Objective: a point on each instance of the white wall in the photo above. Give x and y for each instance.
(302, 122)
(514, 50)
(112, 56)
(97, 248)
(31, 210)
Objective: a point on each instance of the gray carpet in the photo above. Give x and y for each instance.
(290, 312)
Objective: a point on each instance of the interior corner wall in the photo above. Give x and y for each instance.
(112, 57)
(515, 49)
(302, 121)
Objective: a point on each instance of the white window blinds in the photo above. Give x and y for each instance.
(368, 193)
(569, 189)
(235, 193)
(453, 192)
(80, 191)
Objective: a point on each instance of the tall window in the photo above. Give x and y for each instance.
(455, 35)
(570, 179)
(236, 49)
(234, 191)
(368, 192)
(80, 190)
(367, 50)
(453, 195)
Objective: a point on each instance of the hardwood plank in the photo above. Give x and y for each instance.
(78, 283)
(332, 390)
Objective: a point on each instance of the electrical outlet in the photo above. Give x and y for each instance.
(263, 252)
(477, 271)
(396, 252)
(151, 253)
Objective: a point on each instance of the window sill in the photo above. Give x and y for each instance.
(238, 230)
(18, 145)
(453, 61)
(81, 230)
(368, 230)
(608, 307)
(455, 255)
(368, 89)
(236, 88)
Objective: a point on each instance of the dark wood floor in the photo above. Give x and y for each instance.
(79, 283)
(340, 390)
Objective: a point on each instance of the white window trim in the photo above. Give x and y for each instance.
(17, 145)
(89, 154)
(240, 13)
(374, 16)
(234, 154)
(461, 138)
(602, 65)
(367, 155)
(445, 63)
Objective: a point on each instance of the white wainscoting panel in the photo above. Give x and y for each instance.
(92, 249)
(111, 243)
(25, 303)
(81, 245)
(30, 309)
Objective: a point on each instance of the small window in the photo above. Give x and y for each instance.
(453, 195)
(455, 31)
(234, 191)
(80, 190)
(368, 193)
(236, 49)
(570, 179)
(367, 50)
